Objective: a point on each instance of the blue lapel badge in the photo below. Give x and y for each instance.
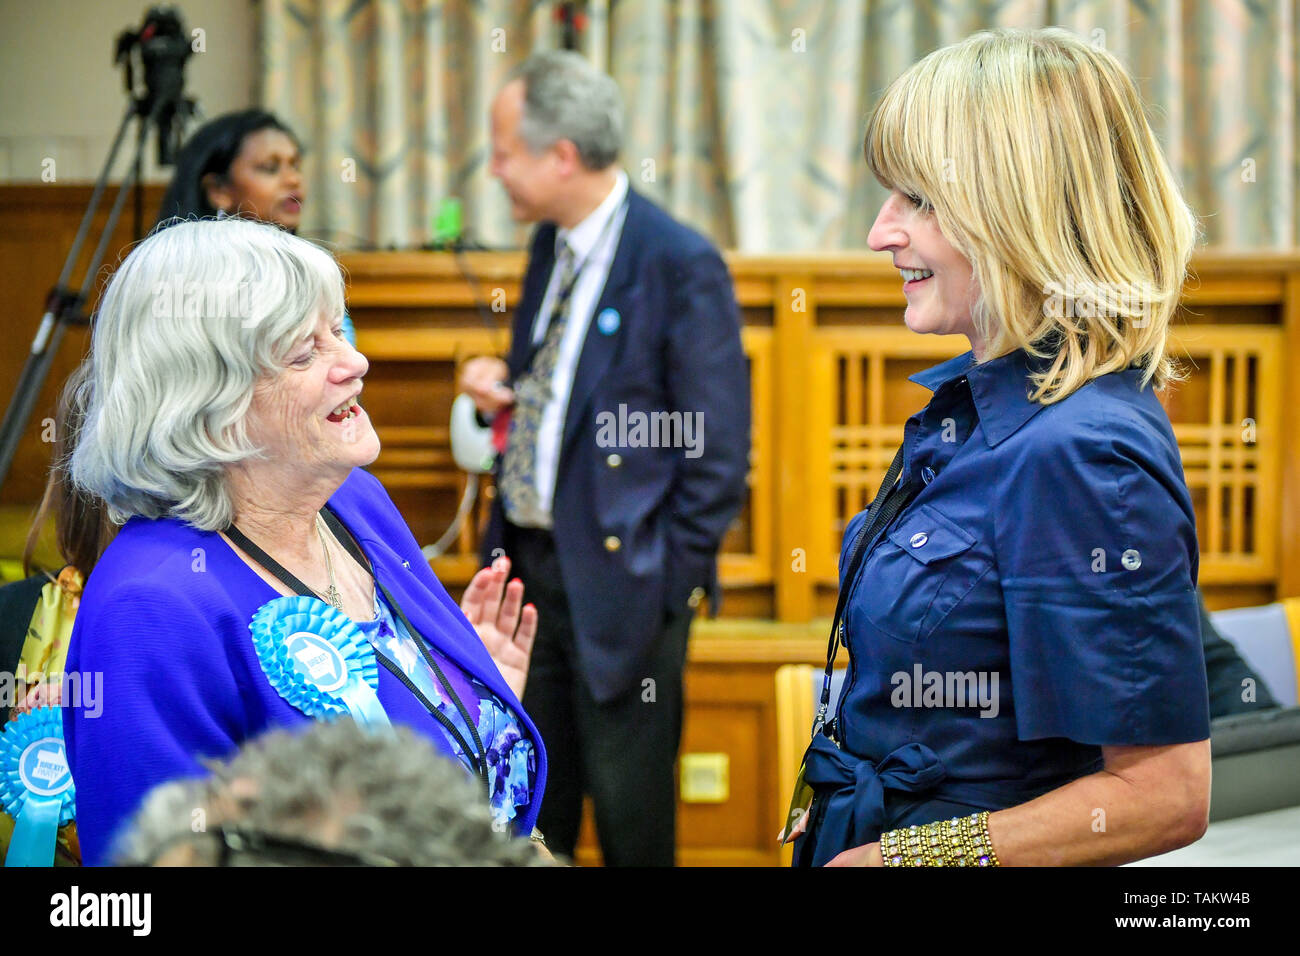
(608, 321)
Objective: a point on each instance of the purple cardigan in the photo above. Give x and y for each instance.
(164, 618)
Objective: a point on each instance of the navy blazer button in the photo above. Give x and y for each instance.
(919, 539)
(612, 543)
(614, 461)
(697, 595)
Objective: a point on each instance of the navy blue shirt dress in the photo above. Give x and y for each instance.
(1048, 560)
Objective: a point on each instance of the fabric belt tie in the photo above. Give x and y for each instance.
(854, 790)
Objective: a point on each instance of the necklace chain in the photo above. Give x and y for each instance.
(332, 595)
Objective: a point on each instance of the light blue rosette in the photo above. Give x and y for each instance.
(35, 785)
(318, 660)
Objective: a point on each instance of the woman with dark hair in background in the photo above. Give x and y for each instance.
(244, 163)
(82, 531)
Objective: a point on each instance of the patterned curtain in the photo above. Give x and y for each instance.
(390, 99)
(745, 117)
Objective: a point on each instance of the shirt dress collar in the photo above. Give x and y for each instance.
(999, 388)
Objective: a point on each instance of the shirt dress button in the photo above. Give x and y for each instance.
(919, 539)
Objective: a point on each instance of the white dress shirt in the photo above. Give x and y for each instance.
(593, 246)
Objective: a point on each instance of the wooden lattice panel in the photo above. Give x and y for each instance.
(830, 359)
(1231, 457)
(746, 557)
(1227, 418)
(861, 401)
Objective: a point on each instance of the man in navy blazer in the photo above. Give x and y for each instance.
(627, 453)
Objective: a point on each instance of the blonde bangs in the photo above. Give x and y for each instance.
(897, 143)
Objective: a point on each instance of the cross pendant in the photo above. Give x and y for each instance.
(334, 598)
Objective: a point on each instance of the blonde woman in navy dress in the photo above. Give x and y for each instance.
(1026, 681)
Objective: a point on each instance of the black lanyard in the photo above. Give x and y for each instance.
(892, 498)
(476, 754)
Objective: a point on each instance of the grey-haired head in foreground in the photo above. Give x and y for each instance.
(328, 793)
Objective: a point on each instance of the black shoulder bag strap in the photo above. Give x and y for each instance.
(892, 497)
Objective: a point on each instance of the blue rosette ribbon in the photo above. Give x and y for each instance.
(35, 785)
(318, 660)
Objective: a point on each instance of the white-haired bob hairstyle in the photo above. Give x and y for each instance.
(195, 315)
(1034, 152)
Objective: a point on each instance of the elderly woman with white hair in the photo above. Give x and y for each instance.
(262, 578)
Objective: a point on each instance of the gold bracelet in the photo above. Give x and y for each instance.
(961, 841)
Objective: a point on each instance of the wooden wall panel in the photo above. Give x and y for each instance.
(37, 226)
(829, 362)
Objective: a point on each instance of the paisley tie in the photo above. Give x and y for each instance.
(518, 480)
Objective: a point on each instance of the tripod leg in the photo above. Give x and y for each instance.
(100, 183)
(116, 211)
(63, 306)
(33, 376)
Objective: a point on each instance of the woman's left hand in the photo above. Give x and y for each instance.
(505, 625)
(868, 855)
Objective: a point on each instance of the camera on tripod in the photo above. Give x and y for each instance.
(163, 48)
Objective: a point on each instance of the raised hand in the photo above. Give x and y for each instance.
(506, 626)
